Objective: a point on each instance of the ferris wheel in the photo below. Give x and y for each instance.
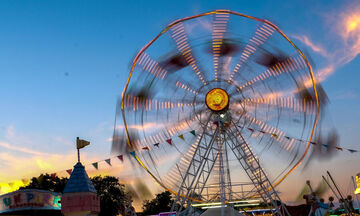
(220, 107)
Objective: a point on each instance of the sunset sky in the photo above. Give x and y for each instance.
(63, 64)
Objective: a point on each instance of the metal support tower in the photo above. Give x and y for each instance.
(211, 149)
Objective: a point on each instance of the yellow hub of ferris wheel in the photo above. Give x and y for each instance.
(217, 99)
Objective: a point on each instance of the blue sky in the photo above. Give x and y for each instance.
(64, 63)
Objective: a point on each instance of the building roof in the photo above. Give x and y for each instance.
(79, 181)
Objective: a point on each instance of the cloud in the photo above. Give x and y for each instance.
(348, 27)
(315, 47)
(14, 167)
(345, 95)
(346, 41)
(141, 127)
(20, 149)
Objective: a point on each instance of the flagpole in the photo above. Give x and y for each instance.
(78, 149)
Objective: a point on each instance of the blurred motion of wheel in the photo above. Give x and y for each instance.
(242, 87)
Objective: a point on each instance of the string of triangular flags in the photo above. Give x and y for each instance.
(252, 130)
(169, 141)
(69, 171)
(107, 161)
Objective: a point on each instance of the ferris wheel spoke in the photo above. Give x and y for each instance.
(290, 102)
(262, 34)
(186, 87)
(218, 31)
(283, 67)
(156, 69)
(151, 66)
(285, 142)
(179, 36)
(136, 103)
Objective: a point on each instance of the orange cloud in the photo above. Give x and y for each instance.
(346, 25)
(349, 29)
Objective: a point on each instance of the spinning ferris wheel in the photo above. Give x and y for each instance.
(220, 107)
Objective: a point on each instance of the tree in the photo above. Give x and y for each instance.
(161, 203)
(113, 198)
(47, 182)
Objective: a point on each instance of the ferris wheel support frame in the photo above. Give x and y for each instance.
(200, 172)
(247, 159)
(255, 172)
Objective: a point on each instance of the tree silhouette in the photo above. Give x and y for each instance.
(161, 203)
(47, 182)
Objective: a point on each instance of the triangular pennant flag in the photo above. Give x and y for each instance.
(145, 148)
(132, 153)
(274, 135)
(69, 171)
(95, 165)
(157, 144)
(169, 141)
(326, 146)
(352, 150)
(193, 132)
(25, 181)
(287, 137)
(216, 123)
(121, 158)
(11, 184)
(252, 130)
(338, 148)
(108, 161)
(181, 136)
(314, 143)
(261, 131)
(53, 176)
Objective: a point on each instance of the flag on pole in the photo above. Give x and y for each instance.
(181, 136)
(81, 143)
(274, 135)
(69, 171)
(352, 150)
(132, 153)
(108, 161)
(338, 148)
(250, 129)
(95, 165)
(120, 158)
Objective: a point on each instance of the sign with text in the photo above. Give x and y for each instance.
(30, 199)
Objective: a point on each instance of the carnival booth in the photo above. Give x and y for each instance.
(31, 202)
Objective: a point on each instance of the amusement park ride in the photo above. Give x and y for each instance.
(245, 91)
